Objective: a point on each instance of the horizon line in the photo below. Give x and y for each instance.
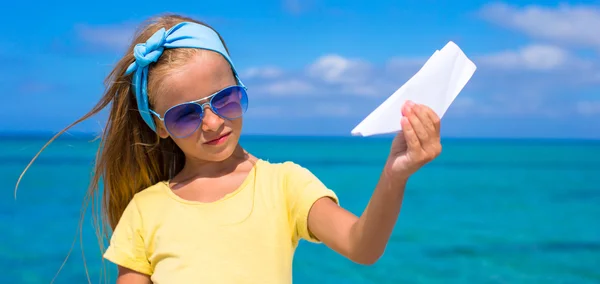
(84, 134)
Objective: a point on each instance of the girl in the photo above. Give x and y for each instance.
(187, 204)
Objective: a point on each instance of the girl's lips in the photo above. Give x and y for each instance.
(220, 140)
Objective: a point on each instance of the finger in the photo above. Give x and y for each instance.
(430, 141)
(434, 147)
(406, 108)
(425, 118)
(412, 141)
(435, 119)
(417, 125)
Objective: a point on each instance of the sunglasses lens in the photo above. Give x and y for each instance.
(183, 120)
(230, 103)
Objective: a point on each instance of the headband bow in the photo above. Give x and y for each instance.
(146, 53)
(182, 35)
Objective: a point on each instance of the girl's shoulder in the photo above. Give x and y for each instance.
(281, 174)
(280, 168)
(286, 172)
(154, 192)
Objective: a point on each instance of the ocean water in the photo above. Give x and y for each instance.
(485, 211)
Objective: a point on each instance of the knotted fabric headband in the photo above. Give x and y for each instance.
(182, 35)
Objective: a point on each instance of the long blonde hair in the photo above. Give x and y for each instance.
(131, 156)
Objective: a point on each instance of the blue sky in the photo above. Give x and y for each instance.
(318, 67)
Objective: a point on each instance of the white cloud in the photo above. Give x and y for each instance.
(327, 75)
(114, 37)
(588, 108)
(336, 69)
(532, 57)
(266, 72)
(531, 81)
(314, 109)
(532, 70)
(118, 36)
(564, 24)
(284, 87)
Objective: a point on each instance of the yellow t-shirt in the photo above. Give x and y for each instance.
(249, 236)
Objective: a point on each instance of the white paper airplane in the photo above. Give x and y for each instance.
(435, 85)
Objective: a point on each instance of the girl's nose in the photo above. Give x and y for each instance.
(211, 121)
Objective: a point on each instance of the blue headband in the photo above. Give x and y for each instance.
(182, 35)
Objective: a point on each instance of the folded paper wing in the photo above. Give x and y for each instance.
(435, 85)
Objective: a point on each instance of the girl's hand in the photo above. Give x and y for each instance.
(416, 145)
(364, 239)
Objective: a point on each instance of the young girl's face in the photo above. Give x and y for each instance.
(206, 73)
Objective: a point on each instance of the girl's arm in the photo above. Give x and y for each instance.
(128, 276)
(363, 240)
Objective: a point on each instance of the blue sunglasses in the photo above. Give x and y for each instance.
(184, 119)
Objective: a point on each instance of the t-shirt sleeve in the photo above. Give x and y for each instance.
(303, 188)
(126, 246)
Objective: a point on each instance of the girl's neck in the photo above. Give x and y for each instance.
(200, 168)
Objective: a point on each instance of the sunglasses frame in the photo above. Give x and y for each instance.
(209, 103)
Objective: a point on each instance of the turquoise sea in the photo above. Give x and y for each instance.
(486, 211)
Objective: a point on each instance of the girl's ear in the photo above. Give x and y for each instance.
(162, 132)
